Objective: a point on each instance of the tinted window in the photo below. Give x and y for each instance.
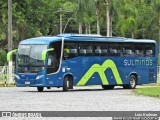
(115, 49)
(139, 49)
(101, 49)
(128, 49)
(150, 50)
(54, 57)
(70, 50)
(85, 49)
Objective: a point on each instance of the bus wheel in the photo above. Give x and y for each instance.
(66, 83)
(40, 89)
(132, 83)
(108, 87)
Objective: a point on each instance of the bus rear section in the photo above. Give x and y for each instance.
(124, 63)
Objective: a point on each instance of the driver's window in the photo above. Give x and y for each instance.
(53, 61)
(50, 59)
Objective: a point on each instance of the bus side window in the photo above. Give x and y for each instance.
(137, 53)
(98, 51)
(139, 49)
(101, 49)
(128, 49)
(85, 49)
(70, 50)
(82, 52)
(72, 53)
(149, 53)
(149, 50)
(115, 49)
(104, 52)
(66, 53)
(89, 51)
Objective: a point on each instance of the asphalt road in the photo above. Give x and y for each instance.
(92, 98)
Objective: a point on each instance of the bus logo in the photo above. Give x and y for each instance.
(100, 69)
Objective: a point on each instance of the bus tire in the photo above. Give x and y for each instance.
(40, 89)
(66, 83)
(70, 82)
(108, 87)
(132, 83)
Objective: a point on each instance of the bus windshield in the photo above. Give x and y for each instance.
(29, 57)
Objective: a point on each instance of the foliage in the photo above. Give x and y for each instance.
(151, 91)
(3, 58)
(32, 18)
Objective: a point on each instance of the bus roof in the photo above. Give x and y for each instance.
(82, 37)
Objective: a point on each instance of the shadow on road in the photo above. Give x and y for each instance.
(75, 90)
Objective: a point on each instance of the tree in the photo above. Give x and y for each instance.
(127, 22)
(3, 23)
(155, 20)
(3, 57)
(128, 18)
(83, 7)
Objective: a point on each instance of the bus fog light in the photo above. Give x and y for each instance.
(17, 76)
(39, 76)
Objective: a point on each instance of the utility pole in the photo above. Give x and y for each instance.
(9, 40)
(9, 25)
(60, 11)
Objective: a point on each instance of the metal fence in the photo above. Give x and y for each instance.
(158, 74)
(6, 80)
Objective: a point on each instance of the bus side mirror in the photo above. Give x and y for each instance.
(10, 53)
(44, 53)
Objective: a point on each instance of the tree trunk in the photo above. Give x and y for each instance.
(98, 26)
(110, 26)
(86, 26)
(80, 28)
(98, 16)
(132, 34)
(107, 18)
(89, 29)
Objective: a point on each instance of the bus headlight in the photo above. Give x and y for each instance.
(39, 76)
(17, 76)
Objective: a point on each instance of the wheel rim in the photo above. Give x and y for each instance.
(132, 82)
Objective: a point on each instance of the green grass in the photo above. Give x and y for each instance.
(151, 91)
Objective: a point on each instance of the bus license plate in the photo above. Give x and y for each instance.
(27, 82)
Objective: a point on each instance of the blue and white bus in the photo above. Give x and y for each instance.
(68, 60)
